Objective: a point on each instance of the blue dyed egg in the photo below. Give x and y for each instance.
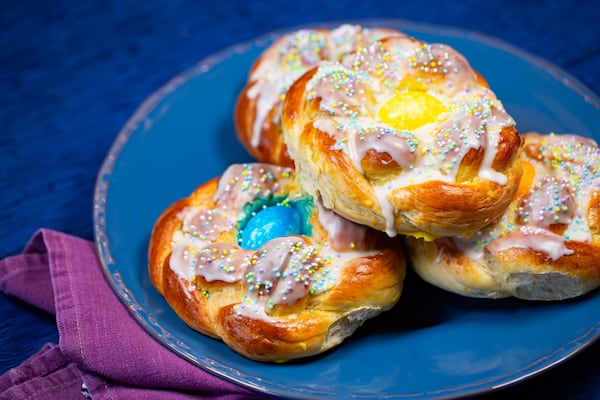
(270, 223)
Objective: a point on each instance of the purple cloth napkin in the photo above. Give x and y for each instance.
(94, 359)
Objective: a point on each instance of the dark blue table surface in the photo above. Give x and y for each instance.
(72, 72)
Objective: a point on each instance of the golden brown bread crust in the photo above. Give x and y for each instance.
(370, 282)
(271, 147)
(258, 107)
(546, 244)
(313, 327)
(187, 304)
(523, 273)
(330, 111)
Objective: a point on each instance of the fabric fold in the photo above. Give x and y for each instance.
(101, 346)
(48, 374)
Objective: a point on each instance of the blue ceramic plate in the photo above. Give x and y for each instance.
(433, 345)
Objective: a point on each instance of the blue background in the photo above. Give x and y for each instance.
(72, 72)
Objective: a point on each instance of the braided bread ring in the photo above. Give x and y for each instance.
(405, 137)
(546, 244)
(257, 112)
(271, 298)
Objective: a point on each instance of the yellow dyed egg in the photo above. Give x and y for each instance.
(408, 110)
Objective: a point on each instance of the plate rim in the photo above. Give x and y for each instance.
(150, 103)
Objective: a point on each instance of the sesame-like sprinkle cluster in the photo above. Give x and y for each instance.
(287, 59)
(294, 54)
(282, 271)
(567, 169)
(287, 273)
(304, 47)
(365, 132)
(550, 202)
(342, 93)
(253, 181)
(221, 257)
(450, 112)
(575, 164)
(374, 59)
(432, 58)
(467, 126)
(573, 161)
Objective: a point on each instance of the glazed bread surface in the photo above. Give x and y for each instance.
(288, 297)
(258, 107)
(405, 137)
(545, 246)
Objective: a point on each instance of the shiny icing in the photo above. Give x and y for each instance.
(283, 269)
(567, 175)
(360, 97)
(294, 54)
(343, 234)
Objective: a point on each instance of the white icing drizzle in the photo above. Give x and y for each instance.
(343, 234)
(294, 54)
(567, 174)
(284, 270)
(352, 92)
(258, 303)
(533, 238)
(281, 272)
(280, 65)
(387, 210)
